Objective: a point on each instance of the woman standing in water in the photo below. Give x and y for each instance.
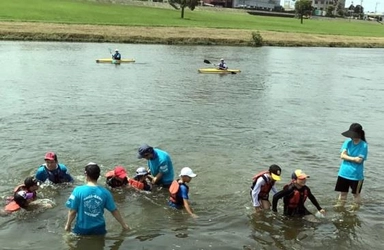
(354, 152)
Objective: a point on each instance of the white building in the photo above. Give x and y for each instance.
(258, 4)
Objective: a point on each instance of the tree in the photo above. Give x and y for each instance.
(330, 10)
(359, 10)
(303, 7)
(340, 9)
(191, 4)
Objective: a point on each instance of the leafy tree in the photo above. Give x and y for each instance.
(340, 9)
(191, 4)
(303, 7)
(359, 10)
(330, 10)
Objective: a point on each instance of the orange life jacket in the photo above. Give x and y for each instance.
(296, 196)
(266, 188)
(174, 190)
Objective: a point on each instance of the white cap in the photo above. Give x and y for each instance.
(116, 50)
(141, 171)
(187, 172)
(221, 59)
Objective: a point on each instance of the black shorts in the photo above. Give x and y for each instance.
(343, 185)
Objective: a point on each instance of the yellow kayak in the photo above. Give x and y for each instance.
(219, 71)
(109, 60)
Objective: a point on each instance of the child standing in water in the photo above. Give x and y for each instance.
(179, 191)
(294, 196)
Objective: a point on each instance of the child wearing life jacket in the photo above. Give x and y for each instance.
(23, 195)
(294, 196)
(179, 191)
(117, 178)
(263, 183)
(140, 180)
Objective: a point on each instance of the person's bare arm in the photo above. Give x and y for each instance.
(71, 216)
(188, 208)
(120, 219)
(157, 178)
(346, 157)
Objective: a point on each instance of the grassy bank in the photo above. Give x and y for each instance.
(25, 20)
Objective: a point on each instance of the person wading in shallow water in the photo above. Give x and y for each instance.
(294, 195)
(87, 204)
(159, 164)
(354, 152)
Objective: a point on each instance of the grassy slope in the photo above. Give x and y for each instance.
(67, 11)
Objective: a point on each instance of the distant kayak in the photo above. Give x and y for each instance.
(109, 60)
(219, 71)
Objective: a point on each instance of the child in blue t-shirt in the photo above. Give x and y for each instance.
(179, 191)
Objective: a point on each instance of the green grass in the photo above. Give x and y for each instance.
(82, 12)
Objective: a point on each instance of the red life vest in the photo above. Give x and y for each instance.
(266, 188)
(296, 195)
(136, 184)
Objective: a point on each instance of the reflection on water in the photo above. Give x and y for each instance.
(288, 106)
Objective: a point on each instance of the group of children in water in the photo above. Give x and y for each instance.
(54, 172)
(354, 152)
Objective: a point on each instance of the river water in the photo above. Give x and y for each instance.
(288, 106)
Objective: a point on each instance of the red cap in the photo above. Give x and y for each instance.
(120, 172)
(50, 156)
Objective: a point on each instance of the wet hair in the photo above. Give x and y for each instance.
(92, 170)
(20, 200)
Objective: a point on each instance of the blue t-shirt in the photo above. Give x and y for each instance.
(89, 202)
(162, 163)
(182, 194)
(59, 175)
(352, 170)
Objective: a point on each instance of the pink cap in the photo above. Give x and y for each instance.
(50, 156)
(120, 172)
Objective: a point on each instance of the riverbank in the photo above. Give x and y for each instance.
(37, 31)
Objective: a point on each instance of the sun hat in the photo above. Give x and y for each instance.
(354, 131)
(141, 171)
(186, 171)
(51, 156)
(120, 172)
(275, 171)
(299, 174)
(143, 150)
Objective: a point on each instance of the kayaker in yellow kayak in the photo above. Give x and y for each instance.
(222, 65)
(117, 55)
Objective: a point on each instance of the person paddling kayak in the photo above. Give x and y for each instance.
(117, 55)
(222, 65)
